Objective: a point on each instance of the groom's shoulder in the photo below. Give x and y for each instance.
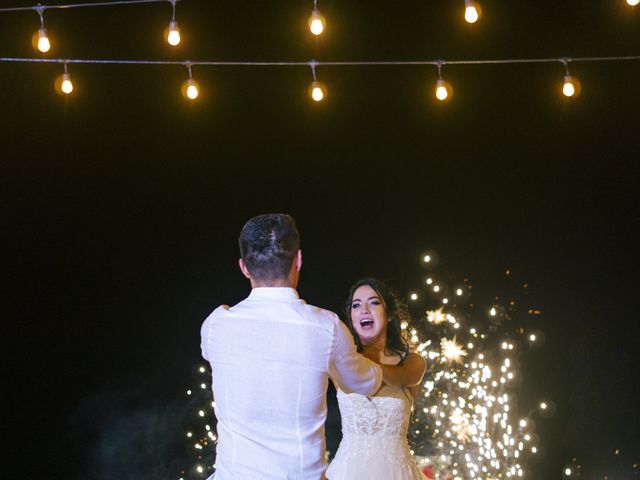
(320, 313)
(219, 312)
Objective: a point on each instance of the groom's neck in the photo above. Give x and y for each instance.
(291, 280)
(279, 282)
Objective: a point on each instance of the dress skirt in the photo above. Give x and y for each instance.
(374, 457)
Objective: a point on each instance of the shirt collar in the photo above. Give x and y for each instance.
(278, 293)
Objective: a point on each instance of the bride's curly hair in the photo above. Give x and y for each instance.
(396, 310)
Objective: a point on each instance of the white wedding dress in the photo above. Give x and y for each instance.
(374, 437)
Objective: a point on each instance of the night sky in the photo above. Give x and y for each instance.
(121, 204)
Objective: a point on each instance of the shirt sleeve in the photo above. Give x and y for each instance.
(205, 330)
(351, 371)
(204, 337)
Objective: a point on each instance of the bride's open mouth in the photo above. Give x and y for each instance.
(366, 323)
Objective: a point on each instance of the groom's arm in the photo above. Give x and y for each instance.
(351, 371)
(204, 330)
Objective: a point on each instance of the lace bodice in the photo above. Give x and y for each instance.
(386, 413)
(374, 437)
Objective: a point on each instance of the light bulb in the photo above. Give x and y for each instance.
(317, 22)
(568, 88)
(67, 86)
(41, 40)
(472, 11)
(317, 91)
(571, 86)
(471, 14)
(442, 90)
(190, 89)
(172, 33)
(633, 3)
(63, 84)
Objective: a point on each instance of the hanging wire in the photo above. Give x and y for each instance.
(40, 11)
(313, 63)
(77, 5)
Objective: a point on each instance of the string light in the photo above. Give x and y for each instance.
(40, 39)
(571, 85)
(317, 22)
(67, 85)
(633, 3)
(190, 87)
(63, 83)
(317, 90)
(472, 11)
(77, 5)
(172, 32)
(443, 88)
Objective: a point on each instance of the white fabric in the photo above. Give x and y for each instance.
(374, 438)
(271, 356)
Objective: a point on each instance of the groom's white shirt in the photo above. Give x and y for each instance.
(271, 357)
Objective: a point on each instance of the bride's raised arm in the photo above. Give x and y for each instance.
(408, 374)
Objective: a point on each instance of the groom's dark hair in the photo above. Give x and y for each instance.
(268, 244)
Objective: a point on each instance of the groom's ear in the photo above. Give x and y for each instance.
(244, 269)
(299, 260)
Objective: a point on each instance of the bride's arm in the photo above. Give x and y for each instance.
(408, 374)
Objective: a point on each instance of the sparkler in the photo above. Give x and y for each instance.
(452, 351)
(466, 424)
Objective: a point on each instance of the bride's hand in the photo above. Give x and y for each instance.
(371, 355)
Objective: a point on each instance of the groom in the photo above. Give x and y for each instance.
(271, 358)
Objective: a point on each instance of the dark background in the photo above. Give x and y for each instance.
(121, 204)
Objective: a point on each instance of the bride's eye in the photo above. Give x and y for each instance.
(376, 302)
(355, 305)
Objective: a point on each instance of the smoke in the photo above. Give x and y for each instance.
(131, 433)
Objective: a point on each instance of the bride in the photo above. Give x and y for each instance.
(374, 429)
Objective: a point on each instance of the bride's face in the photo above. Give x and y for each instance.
(368, 314)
